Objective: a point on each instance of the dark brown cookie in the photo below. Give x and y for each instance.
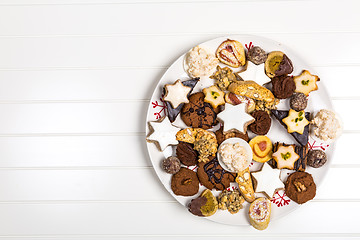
(283, 86)
(212, 175)
(221, 136)
(300, 187)
(186, 154)
(298, 101)
(197, 113)
(171, 165)
(262, 122)
(185, 182)
(316, 158)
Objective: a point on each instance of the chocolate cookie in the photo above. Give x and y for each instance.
(316, 158)
(262, 122)
(197, 113)
(221, 136)
(256, 55)
(300, 187)
(283, 86)
(212, 175)
(298, 101)
(171, 165)
(185, 182)
(186, 154)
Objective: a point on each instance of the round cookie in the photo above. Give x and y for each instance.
(197, 113)
(186, 154)
(171, 165)
(298, 101)
(283, 86)
(212, 175)
(185, 182)
(316, 158)
(300, 187)
(262, 123)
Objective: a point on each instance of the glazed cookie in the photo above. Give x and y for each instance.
(185, 182)
(267, 180)
(301, 151)
(232, 53)
(212, 175)
(306, 82)
(214, 96)
(262, 123)
(235, 117)
(283, 86)
(285, 156)
(186, 154)
(300, 187)
(176, 93)
(197, 113)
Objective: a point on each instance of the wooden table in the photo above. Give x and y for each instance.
(76, 77)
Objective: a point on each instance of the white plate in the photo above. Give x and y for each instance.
(281, 204)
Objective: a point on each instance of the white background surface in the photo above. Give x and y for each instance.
(76, 77)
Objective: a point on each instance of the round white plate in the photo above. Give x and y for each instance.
(281, 204)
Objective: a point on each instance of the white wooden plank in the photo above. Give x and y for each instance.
(109, 151)
(109, 84)
(204, 17)
(165, 219)
(142, 184)
(303, 236)
(114, 51)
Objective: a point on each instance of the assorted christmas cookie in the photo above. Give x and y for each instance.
(298, 101)
(285, 159)
(212, 175)
(235, 154)
(283, 86)
(234, 99)
(327, 125)
(172, 113)
(300, 187)
(256, 55)
(267, 180)
(232, 53)
(171, 165)
(285, 156)
(224, 76)
(176, 93)
(277, 64)
(262, 148)
(198, 113)
(205, 205)
(185, 182)
(231, 201)
(295, 126)
(262, 123)
(214, 96)
(306, 82)
(187, 154)
(316, 158)
(259, 213)
(235, 117)
(200, 62)
(222, 136)
(255, 73)
(245, 185)
(162, 133)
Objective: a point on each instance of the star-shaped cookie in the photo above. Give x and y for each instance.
(235, 117)
(268, 180)
(285, 157)
(255, 73)
(176, 93)
(163, 133)
(296, 121)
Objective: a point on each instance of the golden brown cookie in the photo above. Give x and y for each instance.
(306, 82)
(259, 213)
(245, 185)
(232, 53)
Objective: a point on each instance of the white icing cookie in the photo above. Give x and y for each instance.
(268, 180)
(235, 117)
(164, 133)
(255, 73)
(176, 93)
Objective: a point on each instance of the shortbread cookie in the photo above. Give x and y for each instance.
(212, 175)
(204, 141)
(232, 53)
(277, 64)
(296, 121)
(306, 82)
(267, 180)
(245, 185)
(185, 182)
(172, 113)
(262, 148)
(302, 151)
(176, 93)
(214, 96)
(235, 117)
(300, 187)
(162, 133)
(231, 201)
(205, 205)
(259, 213)
(285, 157)
(197, 113)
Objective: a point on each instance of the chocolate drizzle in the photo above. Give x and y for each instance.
(216, 173)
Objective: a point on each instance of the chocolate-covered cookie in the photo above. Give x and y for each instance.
(212, 175)
(262, 123)
(197, 113)
(300, 187)
(283, 86)
(185, 182)
(316, 158)
(186, 154)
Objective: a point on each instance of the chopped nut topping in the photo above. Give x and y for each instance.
(299, 186)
